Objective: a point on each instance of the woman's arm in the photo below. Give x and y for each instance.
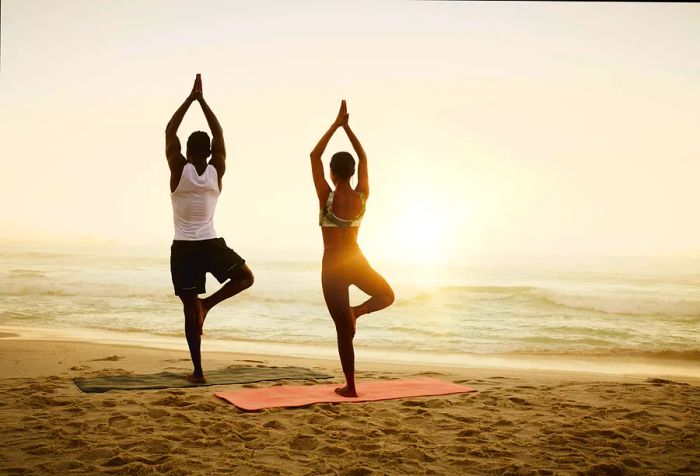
(322, 187)
(362, 176)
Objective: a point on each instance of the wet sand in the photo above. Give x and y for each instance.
(518, 422)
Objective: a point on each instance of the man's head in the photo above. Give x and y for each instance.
(342, 166)
(198, 146)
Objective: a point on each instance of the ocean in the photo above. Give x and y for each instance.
(616, 313)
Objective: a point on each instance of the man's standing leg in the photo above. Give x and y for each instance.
(192, 310)
(189, 281)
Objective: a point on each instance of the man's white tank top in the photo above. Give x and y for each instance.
(194, 201)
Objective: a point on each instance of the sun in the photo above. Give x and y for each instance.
(417, 226)
(420, 232)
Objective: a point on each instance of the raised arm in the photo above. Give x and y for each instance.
(362, 176)
(218, 147)
(173, 150)
(322, 187)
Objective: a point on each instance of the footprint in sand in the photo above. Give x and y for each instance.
(118, 421)
(413, 453)
(155, 447)
(519, 401)
(157, 413)
(358, 472)
(172, 401)
(80, 367)
(332, 450)
(412, 403)
(465, 419)
(116, 461)
(503, 422)
(661, 381)
(304, 442)
(111, 358)
(368, 447)
(98, 453)
(40, 449)
(438, 403)
(276, 424)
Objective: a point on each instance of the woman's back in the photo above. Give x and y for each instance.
(341, 214)
(347, 204)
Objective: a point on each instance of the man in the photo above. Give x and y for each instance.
(195, 185)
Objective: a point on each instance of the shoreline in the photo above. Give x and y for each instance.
(570, 364)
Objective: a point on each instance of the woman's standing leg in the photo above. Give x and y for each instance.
(335, 292)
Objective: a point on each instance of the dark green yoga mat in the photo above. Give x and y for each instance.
(214, 377)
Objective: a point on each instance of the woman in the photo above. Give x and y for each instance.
(341, 212)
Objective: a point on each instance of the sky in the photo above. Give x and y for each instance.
(491, 129)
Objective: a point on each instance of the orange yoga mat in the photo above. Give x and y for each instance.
(369, 390)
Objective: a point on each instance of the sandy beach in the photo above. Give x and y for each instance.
(493, 198)
(516, 423)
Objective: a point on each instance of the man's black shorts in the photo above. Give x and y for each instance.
(190, 261)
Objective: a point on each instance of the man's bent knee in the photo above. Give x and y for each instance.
(246, 279)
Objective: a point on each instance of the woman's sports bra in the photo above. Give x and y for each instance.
(326, 217)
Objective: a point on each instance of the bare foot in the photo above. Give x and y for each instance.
(353, 317)
(195, 378)
(203, 311)
(345, 392)
(356, 312)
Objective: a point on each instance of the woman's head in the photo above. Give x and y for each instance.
(342, 166)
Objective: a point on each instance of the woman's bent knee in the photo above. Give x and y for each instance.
(389, 296)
